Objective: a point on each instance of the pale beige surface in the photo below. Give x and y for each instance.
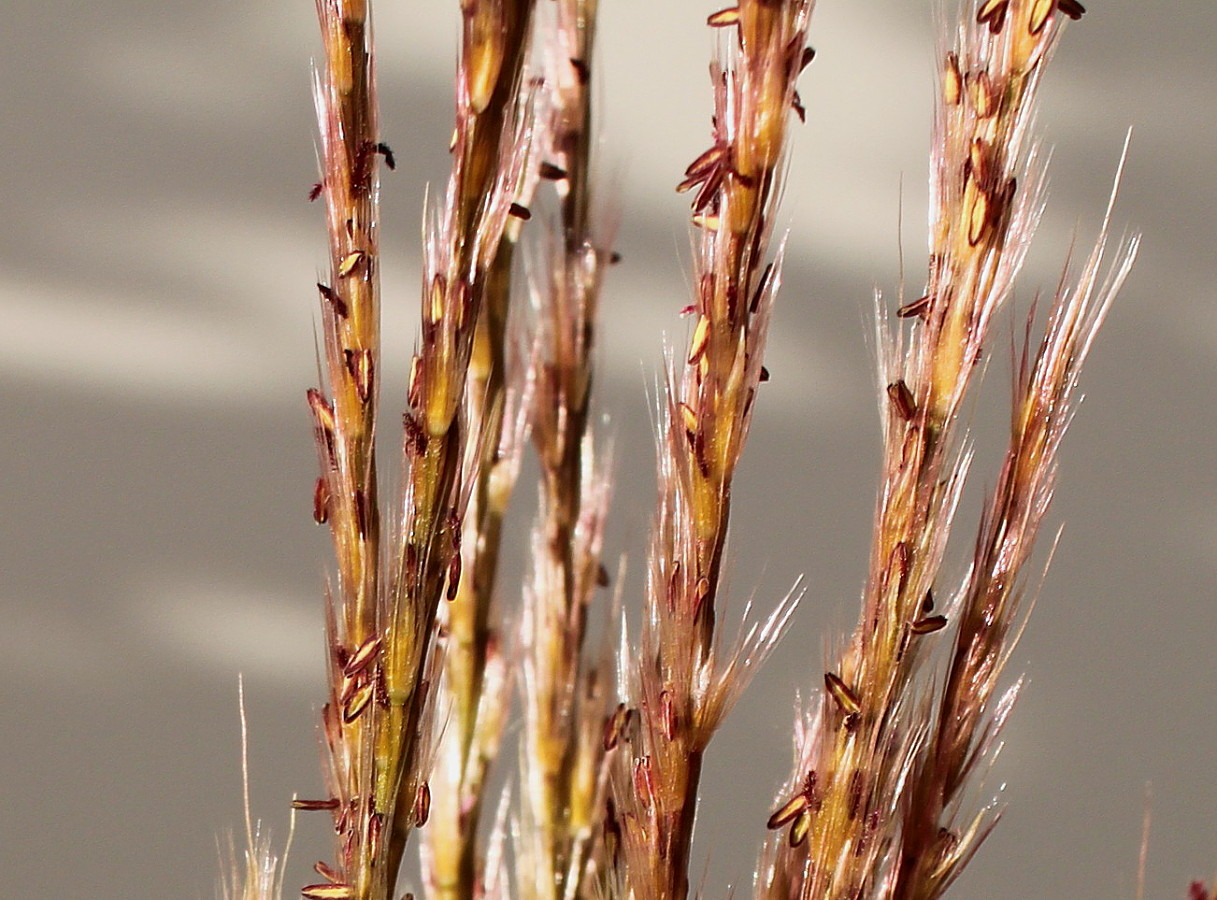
(156, 262)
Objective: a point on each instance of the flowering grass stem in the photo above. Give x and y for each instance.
(679, 691)
(383, 611)
(567, 692)
(474, 690)
(875, 802)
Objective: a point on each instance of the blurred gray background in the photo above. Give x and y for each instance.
(157, 257)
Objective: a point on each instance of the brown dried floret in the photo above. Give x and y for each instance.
(323, 411)
(788, 811)
(993, 14)
(914, 308)
(929, 624)
(363, 657)
(422, 804)
(333, 299)
(358, 701)
(615, 725)
(321, 500)
(326, 871)
(842, 694)
(902, 400)
(1072, 8)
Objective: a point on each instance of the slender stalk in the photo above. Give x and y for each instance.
(351, 152)
(678, 691)
(475, 686)
(255, 873)
(566, 695)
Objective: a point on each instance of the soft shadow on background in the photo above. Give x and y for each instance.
(156, 261)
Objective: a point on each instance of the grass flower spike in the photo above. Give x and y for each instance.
(344, 415)
(474, 690)
(489, 155)
(383, 612)
(567, 692)
(889, 752)
(966, 722)
(680, 692)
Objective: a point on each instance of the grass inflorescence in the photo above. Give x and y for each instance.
(424, 659)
